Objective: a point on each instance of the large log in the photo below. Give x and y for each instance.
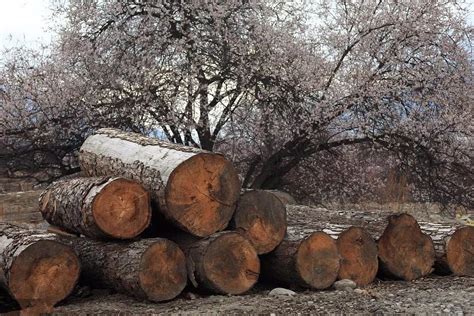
(151, 269)
(261, 217)
(460, 251)
(195, 189)
(312, 262)
(35, 268)
(359, 256)
(284, 197)
(405, 252)
(224, 262)
(97, 207)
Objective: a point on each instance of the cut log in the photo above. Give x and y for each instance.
(194, 189)
(97, 207)
(359, 257)
(36, 269)
(405, 252)
(151, 269)
(460, 251)
(224, 262)
(312, 262)
(261, 217)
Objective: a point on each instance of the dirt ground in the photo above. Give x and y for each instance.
(434, 294)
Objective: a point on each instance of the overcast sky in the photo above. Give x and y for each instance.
(26, 21)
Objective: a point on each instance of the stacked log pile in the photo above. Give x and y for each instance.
(201, 230)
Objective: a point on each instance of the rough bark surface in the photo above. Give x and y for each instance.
(312, 262)
(284, 197)
(152, 269)
(99, 207)
(35, 268)
(405, 252)
(261, 217)
(194, 189)
(225, 262)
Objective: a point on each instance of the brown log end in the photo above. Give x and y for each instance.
(404, 251)
(318, 261)
(231, 264)
(359, 257)
(460, 252)
(261, 217)
(201, 194)
(43, 274)
(163, 271)
(122, 209)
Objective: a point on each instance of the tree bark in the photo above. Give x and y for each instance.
(151, 269)
(35, 268)
(261, 217)
(97, 207)
(194, 189)
(224, 262)
(405, 252)
(284, 197)
(312, 262)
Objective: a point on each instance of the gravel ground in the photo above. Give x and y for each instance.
(450, 295)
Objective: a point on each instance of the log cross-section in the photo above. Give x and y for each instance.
(35, 268)
(405, 252)
(261, 217)
(460, 251)
(97, 207)
(194, 189)
(312, 262)
(359, 257)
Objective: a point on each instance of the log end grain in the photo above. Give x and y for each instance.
(122, 209)
(359, 257)
(201, 194)
(43, 274)
(261, 217)
(163, 271)
(318, 260)
(404, 251)
(460, 252)
(230, 264)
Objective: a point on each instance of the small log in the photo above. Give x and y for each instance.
(151, 269)
(261, 217)
(359, 256)
(224, 262)
(460, 251)
(97, 207)
(405, 252)
(312, 262)
(194, 189)
(35, 268)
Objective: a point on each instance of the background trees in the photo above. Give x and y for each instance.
(290, 92)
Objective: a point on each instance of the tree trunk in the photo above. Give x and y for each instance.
(196, 190)
(152, 269)
(224, 262)
(97, 207)
(261, 217)
(405, 252)
(36, 269)
(312, 262)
